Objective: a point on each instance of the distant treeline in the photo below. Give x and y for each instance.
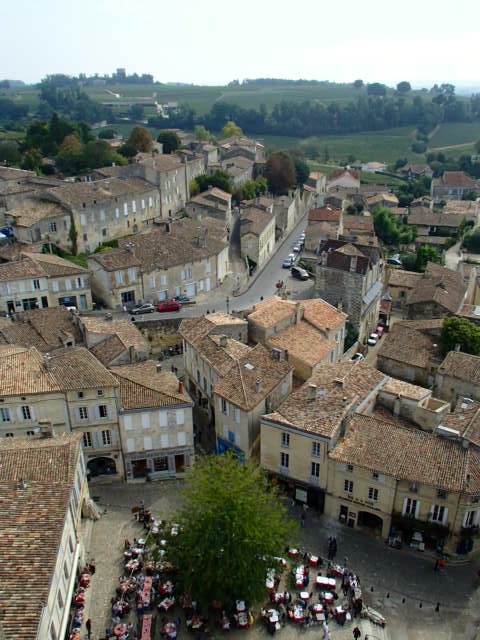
(312, 118)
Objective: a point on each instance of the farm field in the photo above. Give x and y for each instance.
(455, 133)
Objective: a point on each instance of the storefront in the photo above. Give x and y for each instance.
(158, 464)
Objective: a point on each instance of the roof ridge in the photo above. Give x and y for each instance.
(243, 384)
(146, 386)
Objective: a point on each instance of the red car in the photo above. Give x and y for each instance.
(171, 305)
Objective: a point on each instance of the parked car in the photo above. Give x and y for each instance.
(287, 263)
(297, 248)
(373, 339)
(357, 357)
(147, 307)
(395, 260)
(184, 300)
(299, 273)
(166, 307)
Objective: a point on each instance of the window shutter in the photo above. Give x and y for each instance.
(19, 414)
(163, 418)
(127, 422)
(181, 438)
(97, 442)
(32, 413)
(147, 443)
(130, 445)
(180, 416)
(145, 421)
(417, 509)
(164, 440)
(405, 501)
(445, 515)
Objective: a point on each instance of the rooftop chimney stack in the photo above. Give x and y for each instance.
(180, 386)
(258, 385)
(223, 341)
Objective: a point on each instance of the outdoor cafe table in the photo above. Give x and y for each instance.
(120, 630)
(240, 605)
(144, 595)
(323, 582)
(305, 596)
(313, 561)
(298, 614)
(242, 620)
(328, 597)
(146, 627)
(166, 603)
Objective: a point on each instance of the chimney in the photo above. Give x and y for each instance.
(258, 385)
(131, 351)
(22, 484)
(46, 428)
(338, 382)
(353, 264)
(276, 354)
(223, 341)
(159, 367)
(311, 392)
(298, 312)
(108, 317)
(180, 386)
(344, 401)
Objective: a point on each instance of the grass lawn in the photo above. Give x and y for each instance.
(455, 133)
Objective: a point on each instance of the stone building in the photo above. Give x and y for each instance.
(40, 280)
(108, 209)
(410, 351)
(155, 421)
(44, 329)
(297, 437)
(40, 222)
(307, 333)
(458, 376)
(214, 203)
(350, 276)
(438, 294)
(256, 384)
(452, 185)
(377, 479)
(44, 496)
(257, 235)
(113, 341)
(400, 283)
(182, 257)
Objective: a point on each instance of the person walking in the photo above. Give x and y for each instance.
(88, 625)
(356, 633)
(303, 517)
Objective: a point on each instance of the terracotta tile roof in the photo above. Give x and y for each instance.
(23, 371)
(275, 310)
(45, 329)
(108, 350)
(37, 265)
(461, 366)
(216, 193)
(77, 368)
(461, 207)
(10, 173)
(222, 359)
(401, 278)
(31, 210)
(430, 326)
(458, 179)
(437, 241)
(411, 347)
(321, 229)
(254, 220)
(192, 329)
(240, 386)
(382, 197)
(465, 419)
(359, 223)
(440, 285)
(303, 341)
(470, 311)
(209, 203)
(32, 521)
(123, 328)
(188, 241)
(316, 175)
(420, 216)
(115, 259)
(321, 403)
(328, 213)
(74, 194)
(142, 387)
(409, 455)
(405, 389)
(160, 161)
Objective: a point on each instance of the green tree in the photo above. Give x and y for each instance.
(170, 141)
(72, 235)
(219, 179)
(386, 226)
(302, 170)
(426, 254)
(471, 242)
(232, 526)
(32, 160)
(462, 332)
(231, 130)
(358, 84)
(140, 139)
(403, 87)
(70, 158)
(107, 134)
(280, 172)
(136, 112)
(9, 154)
(201, 133)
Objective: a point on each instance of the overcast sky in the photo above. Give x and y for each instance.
(215, 41)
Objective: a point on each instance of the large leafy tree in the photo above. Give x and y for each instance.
(219, 179)
(462, 332)
(231, 130)
(280, 172)
(140, 139)
(232, 528)
(170, 140)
